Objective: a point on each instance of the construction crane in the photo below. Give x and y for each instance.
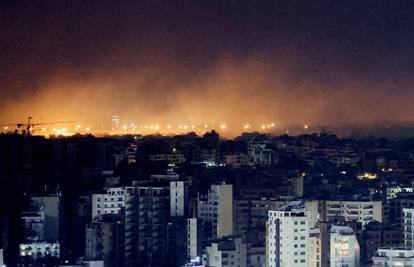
(28, 126)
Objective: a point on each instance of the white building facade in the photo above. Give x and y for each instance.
(110, 202)
(345, 249)
(287, 237)
(217, 209)
(359, 211)
(194, 240)
(178, 198)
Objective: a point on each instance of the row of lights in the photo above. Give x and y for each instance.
(134, 127)
(186, 126)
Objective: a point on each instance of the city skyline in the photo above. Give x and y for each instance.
(207, 133)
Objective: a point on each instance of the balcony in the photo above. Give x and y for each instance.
(352, 206)
(352, 212)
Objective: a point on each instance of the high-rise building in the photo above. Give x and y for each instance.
(153, 212)
(344, 247)
(179, 199)
(144, 211)
(288, 236)
(324, 243)
(121, 201)
(194, 238)
(130, 216)
(216, 210)
(104, 240)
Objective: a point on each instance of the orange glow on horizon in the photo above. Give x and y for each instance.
(242, 94)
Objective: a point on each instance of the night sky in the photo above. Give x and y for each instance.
(292, 62)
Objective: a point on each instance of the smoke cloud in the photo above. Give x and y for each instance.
(202, 64)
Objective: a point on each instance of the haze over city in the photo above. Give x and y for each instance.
(233, 63)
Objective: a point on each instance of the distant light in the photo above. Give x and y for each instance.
(246, 126)
(125, 127)
(306, 126)
(88, 129)
(180, 126)
(205, 125)
(272, 124)
(192, 126)
(156, 127)
(174, 150)
(367, 176)
(78, 126)
(263, 126)
(168, 126)
(61, 131)
(6, 127)
(223, 126)
(185, 126)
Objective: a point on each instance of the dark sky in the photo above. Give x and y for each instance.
(289, 61)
